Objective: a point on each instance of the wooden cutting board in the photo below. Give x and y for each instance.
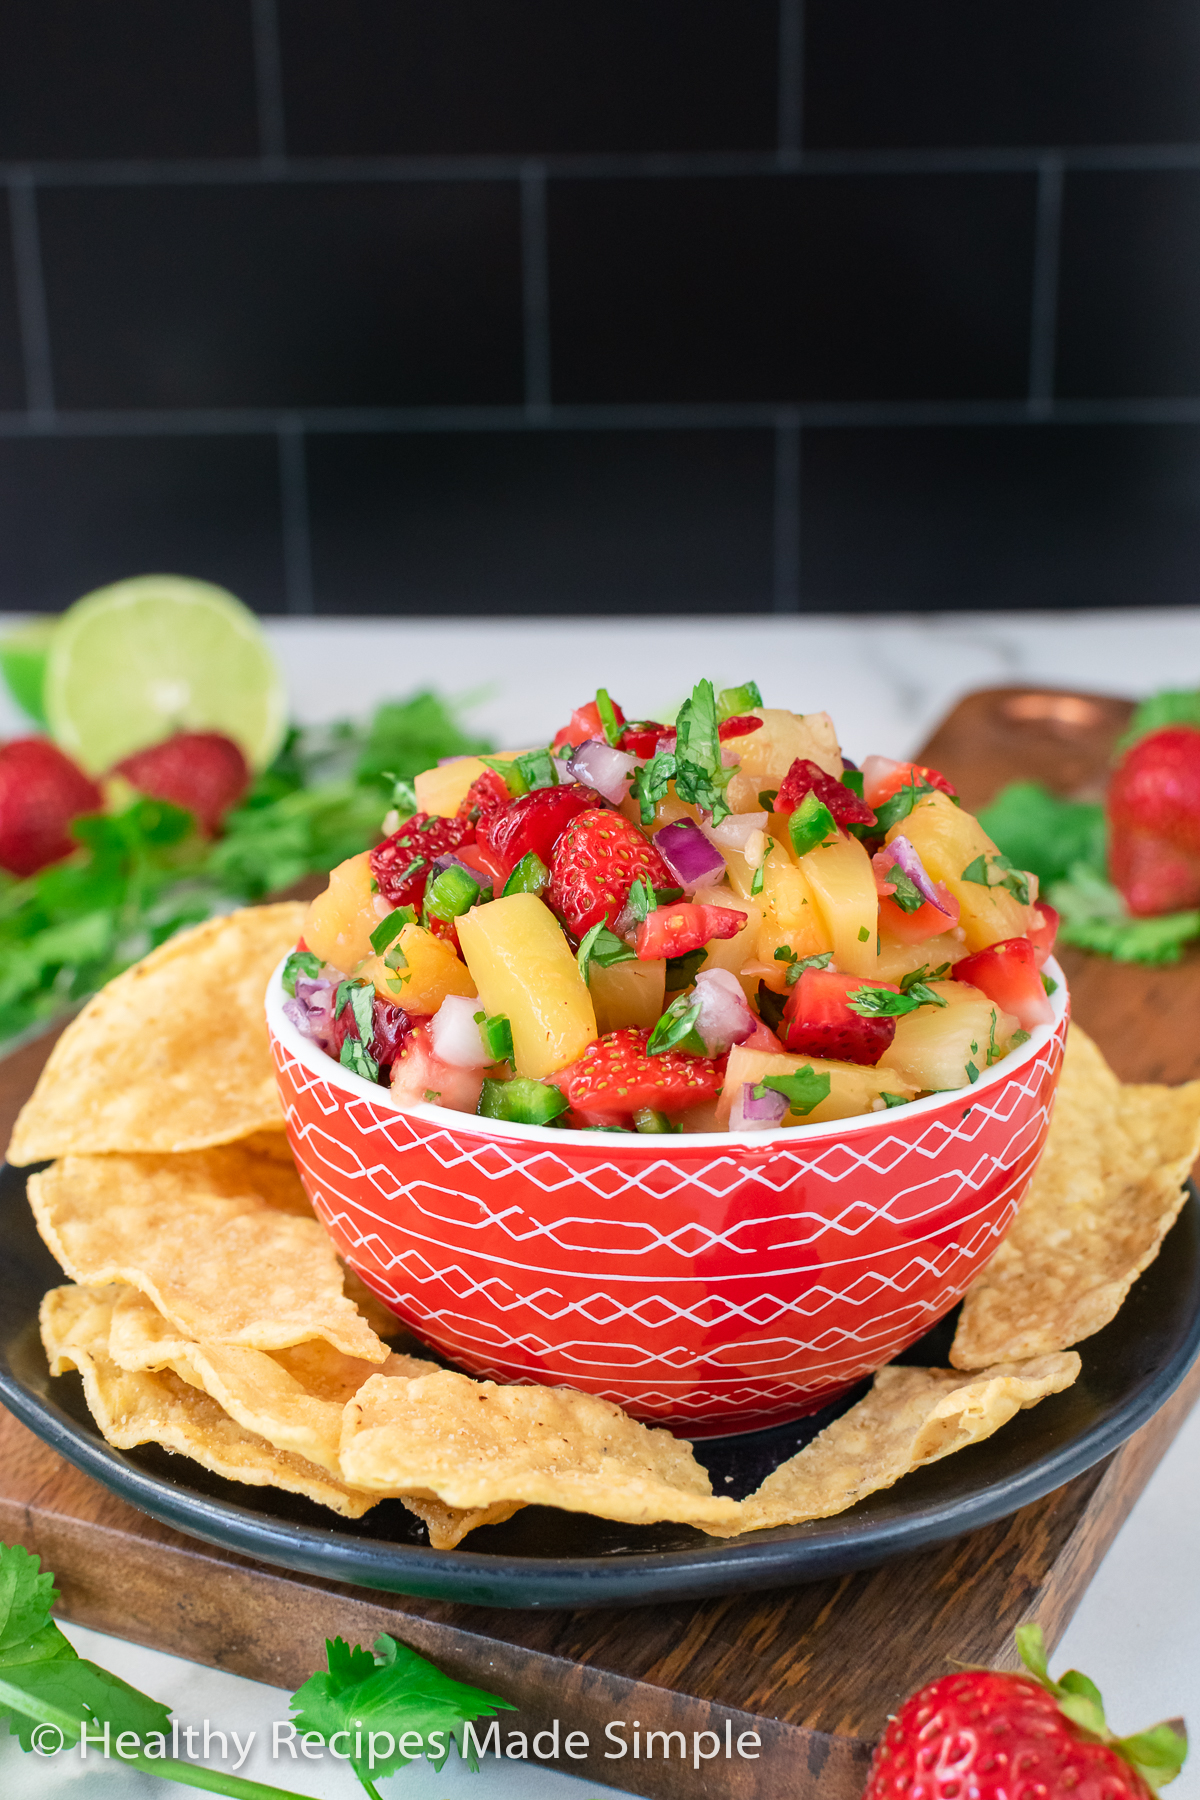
(815, 1670)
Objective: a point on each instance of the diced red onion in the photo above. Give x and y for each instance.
(749, 1114)
(725, 1017)
(732, 832)
(311, 1011)
(876, 772)
(689, 855)
(455, 1035)
(598, 765)
(904, 855)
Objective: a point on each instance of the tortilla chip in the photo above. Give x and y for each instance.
(293, 1399)
(173, 1054)
(143, 1408)
(448, 1525)
(909, 1418)
(379, 1316)
(474, 1444)
(1107, 1190)
(195, 1233)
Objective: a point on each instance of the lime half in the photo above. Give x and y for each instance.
(135, 662)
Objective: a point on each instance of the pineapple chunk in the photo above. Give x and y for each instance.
(791, 918)
(764, 757)
(939, 1047)
(897, 960)
(523, 966)
(630, 993)
(843, 884)
(444, 790)
(429, 972)
(852, 1088)
(948, 840)
(339, 923)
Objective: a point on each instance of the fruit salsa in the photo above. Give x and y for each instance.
(718, 926)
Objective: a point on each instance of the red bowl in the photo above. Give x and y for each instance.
(716, 1282)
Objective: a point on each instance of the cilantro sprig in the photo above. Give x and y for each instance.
(390, 1705)
(700, 776)
(803, 1091)
(882, 1003)
(602, 946)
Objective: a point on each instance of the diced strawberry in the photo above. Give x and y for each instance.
(534, 823)
(641, 739)
(391, 1028)
(616, 1077)
(805, 777)
(882, 778)
(41, 791)
(419, 1076)
(1043, 934)
(585, 723)
(1007, 973)
(1154, 822)
(595, 863)
(818, 1021)
(417, 842)
(682, 927)
(203, 771)
(762, 1038)
(487, 795)
(477, 858)
(740, 726)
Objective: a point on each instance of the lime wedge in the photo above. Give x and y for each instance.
(23, 656)
(135, 662)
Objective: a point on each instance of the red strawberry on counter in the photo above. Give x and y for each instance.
(41, 791)
(982, 1735)
(203, 771)
(1154, 822)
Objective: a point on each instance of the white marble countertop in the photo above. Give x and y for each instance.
(886, 681)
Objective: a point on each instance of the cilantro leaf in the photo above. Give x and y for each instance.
(608, 717)
(700, 775)
(676, 1029)
(1094, 917)
(756, 880)
(890, 1100)
(922, 975)
(300, 963)
(798, 964)
(391, 927)
(650, 782)
(395, 1695)
(26, 1596)
(1041, 832)
(803, 1091)
(908, 896)
(900, 804)
(881, 1003)
(600, 945)
(361, 998)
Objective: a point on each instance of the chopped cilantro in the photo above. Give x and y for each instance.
(891, 1100)
(641, 901)
(881, 1003)
(496, 1032)
(358, 1060)
(908, 896)
(700, 775)
(682, 970)
(529, 876)
(900, 804)
(923, 974)
(811, 824)
(600, 945)
(506, 768)
(767, 799)
(300, 962)
(608, 717)
(803, 1091)
(994, 1052)
(432, 1095)
(414, 868)
(1018, 1038)
(1049, 984)
(676, 1029)
(864, 936)
(361, 998)
(853, 779)
(391, 927)
(770, 1006)
(732, 702)
(650, 782)
(756, 880)
(972, 1072)
(797, 965)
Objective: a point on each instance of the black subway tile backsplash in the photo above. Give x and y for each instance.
(1027, 516)
(1000, 72)
(1129, 290)
(12, 375)
(126, 78)
(78, 512)
(378, 77)
(284, 294)
(806, 287)
(547, 522)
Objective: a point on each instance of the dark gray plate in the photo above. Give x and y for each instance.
(546, 1558)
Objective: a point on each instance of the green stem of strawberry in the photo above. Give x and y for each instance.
(1157, 1755)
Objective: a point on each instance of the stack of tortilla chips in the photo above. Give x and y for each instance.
(208, 1312)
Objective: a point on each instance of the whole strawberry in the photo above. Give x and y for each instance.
(203, 771)
(41, 791)
(595, 863)
(1154, 822)
(983, 1735)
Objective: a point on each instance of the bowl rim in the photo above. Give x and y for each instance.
(650, 1144)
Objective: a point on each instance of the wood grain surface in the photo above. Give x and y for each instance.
(813, 1670)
